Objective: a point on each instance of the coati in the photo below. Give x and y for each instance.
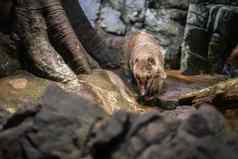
(145, 63)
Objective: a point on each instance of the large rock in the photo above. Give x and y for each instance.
(42, 119)
(102, 88)
(166, 19)
(54, 128)
(110, 21)
(154, 135)
(162, 24)
(111, 92)
(134, 11)
(21, 89)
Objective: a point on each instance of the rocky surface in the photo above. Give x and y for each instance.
(201, 135)
(166, 20)
(41, 119)
(110, 90)
(213, 24)
(97, 117)
(111, 22)
(21, 89)
(56, 127)
(103, 88)
(66, 126)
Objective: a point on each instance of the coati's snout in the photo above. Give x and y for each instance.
(149, 75)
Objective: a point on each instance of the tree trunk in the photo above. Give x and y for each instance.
(63, 34)
(37, 23)
(94, 43)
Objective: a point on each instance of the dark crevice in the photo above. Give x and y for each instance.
(147, 145)
(105, 150)
(20, 117)
(170, 136)
(31, 142)
(140, 125)
(43, 155)
(24, 154)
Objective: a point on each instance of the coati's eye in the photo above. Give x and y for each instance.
(151, 61)
(136, 61)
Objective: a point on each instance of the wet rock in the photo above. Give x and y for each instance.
(153, 135)
(110, 21)
(110, 91)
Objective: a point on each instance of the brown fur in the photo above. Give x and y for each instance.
(146, 63)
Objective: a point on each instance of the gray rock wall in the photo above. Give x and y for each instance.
(165, 19)
(210, 35)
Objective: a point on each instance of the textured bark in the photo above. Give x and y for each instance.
(32, 29)
(44, 31)
(61, 30)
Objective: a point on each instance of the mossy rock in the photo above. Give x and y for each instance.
(110, 90)
(103, 88)
(19, 90)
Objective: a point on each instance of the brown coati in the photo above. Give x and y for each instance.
(145, 63)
